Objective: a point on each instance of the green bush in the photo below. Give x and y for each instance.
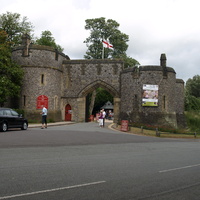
(19, 111)
(34, 121)
(50, 120)
(160, 128)
(192, 103)
(193, 120)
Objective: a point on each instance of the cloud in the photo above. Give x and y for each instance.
(154, 27)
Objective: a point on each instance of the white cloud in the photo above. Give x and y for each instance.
(154, 27)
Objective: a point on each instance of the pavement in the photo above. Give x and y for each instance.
(51, 124)
(59, 124)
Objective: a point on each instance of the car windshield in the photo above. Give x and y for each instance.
(14, 113)
(7, 113)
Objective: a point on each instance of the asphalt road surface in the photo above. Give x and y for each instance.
(85, 162)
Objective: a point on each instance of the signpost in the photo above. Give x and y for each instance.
(124, 125)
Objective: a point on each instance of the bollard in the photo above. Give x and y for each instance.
(157, 133)
(195, 134)
(141, 129)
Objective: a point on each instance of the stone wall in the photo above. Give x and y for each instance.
(170, 90)
(83, 76)
(43, 56)
(65, 81)
(43, 76)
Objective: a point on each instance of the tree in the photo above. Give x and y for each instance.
(192, 103)
(192, 93)
(101, 29)
(11, 74)
(193, 85)
(101, 96)
(15, 27)
(129, 62)
(48, 40)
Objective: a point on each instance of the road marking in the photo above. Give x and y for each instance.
(157, 195)
(174, 169)
(51, 190)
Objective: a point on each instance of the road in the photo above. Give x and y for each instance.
(85, 162)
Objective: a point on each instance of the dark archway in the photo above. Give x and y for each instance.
(93, 86)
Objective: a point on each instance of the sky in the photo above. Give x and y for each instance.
(153, 26)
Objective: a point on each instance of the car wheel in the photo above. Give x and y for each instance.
(4, 127)
(24, 126)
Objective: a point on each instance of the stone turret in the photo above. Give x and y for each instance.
(163, 64)
(163, 60)
(26, 40)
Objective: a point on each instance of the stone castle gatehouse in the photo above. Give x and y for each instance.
(61, 84)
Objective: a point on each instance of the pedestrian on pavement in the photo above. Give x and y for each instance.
(44, 117)
(101, 119)
(104, 116)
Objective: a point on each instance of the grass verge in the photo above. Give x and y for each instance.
(154, 133)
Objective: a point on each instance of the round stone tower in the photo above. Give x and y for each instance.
(42, 78)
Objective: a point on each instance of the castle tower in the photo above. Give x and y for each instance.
(26, 40)
(163, 64)
(43, 76)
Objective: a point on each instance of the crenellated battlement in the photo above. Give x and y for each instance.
(66, 84)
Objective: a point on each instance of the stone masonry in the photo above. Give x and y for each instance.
(68, 82)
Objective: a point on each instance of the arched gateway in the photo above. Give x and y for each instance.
(147, 94)
(90, 88)
(84, 76)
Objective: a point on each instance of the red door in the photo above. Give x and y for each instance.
(68, 111)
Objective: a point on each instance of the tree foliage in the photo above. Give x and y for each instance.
(15, 26)
(12, 28)
(11, 73)
(192, 93)
(48, 40)
(101, 97)
(192, 103)
(193, 86)
(100, 29)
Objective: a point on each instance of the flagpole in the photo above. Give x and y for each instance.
(103, 48)
(108, 45)
(103, 53)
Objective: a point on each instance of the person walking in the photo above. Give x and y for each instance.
(104, 116)
(44, 117)
(101, 119)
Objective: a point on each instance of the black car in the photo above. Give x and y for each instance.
(11, 119)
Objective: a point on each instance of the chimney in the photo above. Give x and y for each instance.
(163, 60)
(163, 64)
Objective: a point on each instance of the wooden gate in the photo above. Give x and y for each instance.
(68, 112)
